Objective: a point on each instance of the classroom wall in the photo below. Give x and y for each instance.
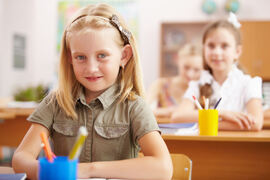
(153, 12)
(1, 47)
(37, 20)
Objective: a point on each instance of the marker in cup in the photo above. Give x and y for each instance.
(77, 147)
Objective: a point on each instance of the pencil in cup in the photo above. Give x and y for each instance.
(77, 147)
(48, 152)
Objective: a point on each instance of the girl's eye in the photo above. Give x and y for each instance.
(186, 68)
(224, 46)
(211, 45)
(80, 57)
(102, 55)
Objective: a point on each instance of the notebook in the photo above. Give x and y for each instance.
(179, 128)
(18, 176)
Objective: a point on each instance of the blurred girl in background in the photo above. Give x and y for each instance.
(165, 94)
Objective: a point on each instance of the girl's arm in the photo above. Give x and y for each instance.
(156, 163)
(253, 120)
(230, 120)
(165, 111)
(152, 99)
(255, 110)
(24, 158)
(185, 112)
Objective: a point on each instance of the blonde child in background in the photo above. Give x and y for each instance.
(241, 104)
(100, 87)
(165, 94)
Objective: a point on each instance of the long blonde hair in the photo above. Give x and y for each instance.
(129, 78)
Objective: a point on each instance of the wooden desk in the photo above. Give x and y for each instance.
(230, 155)
(266, 122)
(13, 125)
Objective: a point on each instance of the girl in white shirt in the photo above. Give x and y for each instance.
(241, 104)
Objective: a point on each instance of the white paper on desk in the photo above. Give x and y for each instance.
(93, 179)
(191, 130)
(99, 179)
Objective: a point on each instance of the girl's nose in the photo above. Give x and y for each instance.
(190, 75)
(92, 65)
(217, 51)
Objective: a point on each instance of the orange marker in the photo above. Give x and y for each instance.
(204, 101)
(47, 148)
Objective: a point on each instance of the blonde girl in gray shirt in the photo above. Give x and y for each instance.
(100, 88)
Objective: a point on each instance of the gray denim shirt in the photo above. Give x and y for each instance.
(113, 128)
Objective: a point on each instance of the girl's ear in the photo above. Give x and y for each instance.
(238, 51)
(126, 55)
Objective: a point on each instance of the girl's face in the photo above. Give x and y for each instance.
(96, 59)
(190, 67)
(221, 50)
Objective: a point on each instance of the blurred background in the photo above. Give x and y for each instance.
(30, 31)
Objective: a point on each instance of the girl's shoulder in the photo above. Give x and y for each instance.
(137, 102)
(164, 81)
(159, 84)
(244, 79)
(49, 101)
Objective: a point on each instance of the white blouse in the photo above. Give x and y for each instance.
(236, 90)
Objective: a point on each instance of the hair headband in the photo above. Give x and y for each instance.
(125, 34)
(233, 20)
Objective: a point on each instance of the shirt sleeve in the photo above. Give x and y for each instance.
(143, 120)
(253, 89)
(43, 113)
(193, 90)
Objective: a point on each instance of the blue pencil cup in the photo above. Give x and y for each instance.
(60, 168)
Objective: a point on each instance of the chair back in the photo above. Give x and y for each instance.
(182, 167)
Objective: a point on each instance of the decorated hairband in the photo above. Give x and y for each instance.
(233, 20)
(126, 35)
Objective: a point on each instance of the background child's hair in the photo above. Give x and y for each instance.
(190, 49)
(95, 17)
(206, 89)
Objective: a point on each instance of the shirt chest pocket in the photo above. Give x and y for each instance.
(109, 141)
(63, 136)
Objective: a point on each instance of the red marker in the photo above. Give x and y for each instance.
(197, 103)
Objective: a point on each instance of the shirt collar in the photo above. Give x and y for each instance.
(106, 98)
(109, 95)
(207, 78)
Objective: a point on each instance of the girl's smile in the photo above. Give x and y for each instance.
(94, 78)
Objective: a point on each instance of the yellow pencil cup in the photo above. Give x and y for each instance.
(208, 122)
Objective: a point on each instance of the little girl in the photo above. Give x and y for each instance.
(241, 104)
(165, 94)
(100, 88)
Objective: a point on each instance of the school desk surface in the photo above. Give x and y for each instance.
(230, 155)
